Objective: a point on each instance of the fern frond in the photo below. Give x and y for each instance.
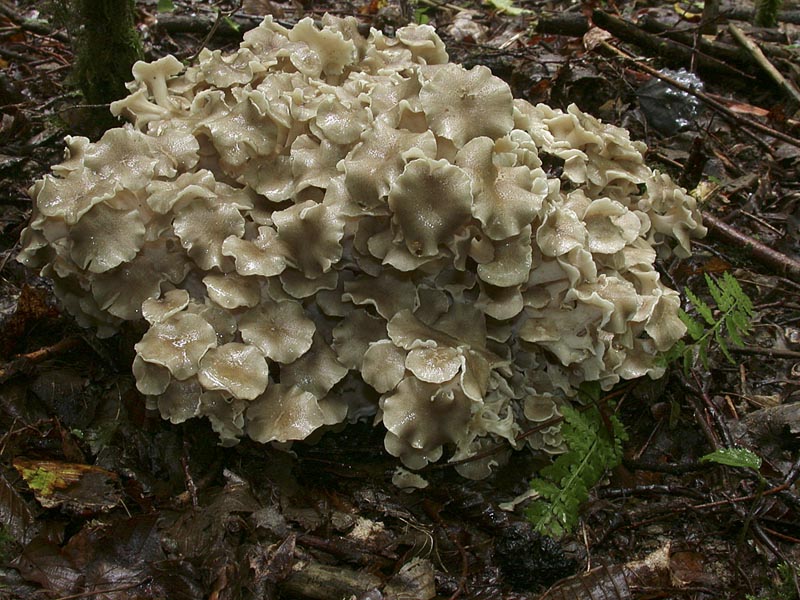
(733, 330)
(703, 309)
(730, 283)
(733, 323)
(564, 485)
(721, 295)
(723, 345)
(694, 328)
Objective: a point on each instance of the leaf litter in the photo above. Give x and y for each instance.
(100, 498)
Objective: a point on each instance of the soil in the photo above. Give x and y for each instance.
(100, 498)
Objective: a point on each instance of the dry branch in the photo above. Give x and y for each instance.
(705, 99)
(777, 261)
(758, 56)
(22, 362)
(574, 24)
(668, 49)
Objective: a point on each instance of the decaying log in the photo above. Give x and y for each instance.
(666, 48)
(315, 581)
(726, 52)
(617, 582)
(784, 16)
(758, 56)
(707, 100)
(574, 24)
(202, 25)
(37, 27)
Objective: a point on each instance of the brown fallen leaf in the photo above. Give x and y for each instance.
(82, 489)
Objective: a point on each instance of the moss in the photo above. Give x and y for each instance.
(767, 13)
(40, 480)
(107, 45)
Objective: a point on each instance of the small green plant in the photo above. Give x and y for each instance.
(507, 6)
(594, 445)
(7, 543)
(735, 457)
(767, 13)
(785, 588)
(741, 458)
(733, 323)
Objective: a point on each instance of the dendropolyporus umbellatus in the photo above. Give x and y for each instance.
(323, 227)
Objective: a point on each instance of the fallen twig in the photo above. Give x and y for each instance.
(704, 98)
(37, 27)
(771, 352)
(782, 263)
(666, 48)
(24, 360)
(786, 86)
(562, 23)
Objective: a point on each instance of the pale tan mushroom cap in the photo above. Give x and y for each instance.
(177, 343)
(430, 202)
(282, 414)
(461, 105)
(238, 369)
(321, 227)
(281, 330)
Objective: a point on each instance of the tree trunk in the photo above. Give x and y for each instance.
(108, 45)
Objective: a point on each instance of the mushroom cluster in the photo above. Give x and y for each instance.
(322, 227)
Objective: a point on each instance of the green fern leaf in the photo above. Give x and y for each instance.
(733, 330)
(723, 345)
(733, 323)
(689, 358)
(703, 309)
(564, 485)
(702, 351)
(730, 283)
(694, 328)
(673, 354)
(720, 293)
(714, 290)
(740, 321)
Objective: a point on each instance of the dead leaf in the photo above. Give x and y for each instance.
(200, 533)
(15, 515)
(31, 307)
(83, 489)
(43, 562)
(687, 568)
(122, 560)
(594, 37)
(275, 564)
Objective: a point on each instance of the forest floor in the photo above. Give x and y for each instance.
(100, 498)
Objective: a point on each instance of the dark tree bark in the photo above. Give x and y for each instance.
(107, 46)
